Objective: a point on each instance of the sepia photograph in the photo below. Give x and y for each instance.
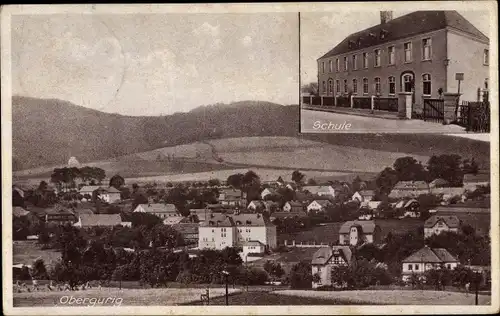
(181, 160)
(395, 71)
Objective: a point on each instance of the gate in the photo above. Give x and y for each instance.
(474, 116)
(433, 110)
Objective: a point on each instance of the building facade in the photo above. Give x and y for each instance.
(219, 231)
(419, 52)
(427, 259)
(325, 259)
(437, 224)
(359, 232)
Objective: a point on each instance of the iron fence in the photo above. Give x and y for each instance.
(433, 110)
(362, 103)
(386, 104)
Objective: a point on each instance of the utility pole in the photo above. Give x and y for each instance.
(477, 287)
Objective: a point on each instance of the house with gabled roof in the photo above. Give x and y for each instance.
(359, 232)
(427, 259)
(100, 220)
(436, 224)
(409, 189)
(419, 53)
(320, 190)
(472, 181)
(162, 210)
(293, 206)
(325, 259)
(107, 194)
(232, 197)
(318, 206)
(363, 195)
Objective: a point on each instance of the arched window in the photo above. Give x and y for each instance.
(345, 86)
(324, 86)
(330, 66)
(365, 85)
(354, 86)
(392, 85)
(330, 86)
(377, 85)
(426, 79)
(337, 86)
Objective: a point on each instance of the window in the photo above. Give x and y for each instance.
(426, 78)
(337, 65)
(417, 267)
(486, 83)
(365, 60)
(323, 66)
(377, 85)
(354, 62)
(346, 61)
(336, 260)
(392, 85)
(377, 58)
(330, 66)
(407, 47)
(486, 57)
(448, 266)
(408, 83)
(390, 52)
(410, 267)
(324, 86)
(337, 86)
(330, 86)
(426, 49)
(345, 85)
(354, 86)
(365, 85)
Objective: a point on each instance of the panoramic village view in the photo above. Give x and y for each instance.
(224, 202)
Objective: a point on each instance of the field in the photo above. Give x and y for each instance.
(26, 252)
(271, 156)
(409, 297)
(129, 297)
(329, 232)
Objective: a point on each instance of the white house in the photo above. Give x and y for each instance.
(404, 189)
(363, 195)
(100, 220)
(437, 224)
(252, 247)
(266, 192)
(256, 205)
(359, 232)
(107, 194)
(162, 210)
(325, 259)
(426, 259)
(293, 206)
(232, 197)
(219, 231)
(320, 190)
(472, 181)
(318, 205)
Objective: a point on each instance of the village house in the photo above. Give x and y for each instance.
(439, 183)
(408, 208)
(59, 215)
(18, 211)
(427, 259)
(358, 232)
(419, 52)
(100, 220)
(372, 205)
(325, 259)
(106, 194)
(266, 192)
(253, 247)
(199, 214)
(219, 231)
(472, 181)
(363, 196)
(437, 224)
(162, 210)
(232, 197)
(188, 231)
(326, 191)
(293, 206)
(255, 205)
(409, 189)
(318, 206)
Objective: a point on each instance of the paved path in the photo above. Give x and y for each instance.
(326, 122)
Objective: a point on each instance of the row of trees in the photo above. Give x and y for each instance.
(66, 176)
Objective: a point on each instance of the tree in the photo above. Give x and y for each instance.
(116, 181)
(235, 180)
(214, 182)
(274, 269)
(408, 169)
(17, 199)
(39, 271)
(447, 167)
(300, 276)
(311, 181)
(297, 176)
(470, 166)
(386, 180)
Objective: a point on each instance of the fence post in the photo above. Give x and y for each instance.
(450, 106)
(310, 100)
(335, 100)
(373, 102)
(352, 101)
(321, 100)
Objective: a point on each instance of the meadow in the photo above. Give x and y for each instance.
(26, 252)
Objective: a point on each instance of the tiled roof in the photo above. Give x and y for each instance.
(322, 202)
(294, 204)
(325, 253)
(100, 219)
(172, 220)
(431, 255)
(228, 194)
(366, 226)
(83, 211)
(92, 188)
(315, 189)
(186, 228)
(18, 211)
(405, 26)
(480, 177)
(450, 220)
(367, 192)
(409, 202)
(255, 243)
(158, 208)
(411, 185)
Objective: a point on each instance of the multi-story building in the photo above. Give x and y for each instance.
(358, 232)
(325, 259)
(232, 197)
(219, 231)
(420, 52)
(436, 224)
(162, 210)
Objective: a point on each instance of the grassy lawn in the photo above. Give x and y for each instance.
(393, 297)
(129, 297)
(26, 252)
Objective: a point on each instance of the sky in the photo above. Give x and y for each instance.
(321, 31)
(156, 64)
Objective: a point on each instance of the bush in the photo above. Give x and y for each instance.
(325, 288)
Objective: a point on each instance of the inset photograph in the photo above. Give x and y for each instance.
(395, 72)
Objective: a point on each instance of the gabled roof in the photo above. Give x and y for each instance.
(450, 220)
(100, 219)
(431, 255)
(229, 194)
(322, 202)
(480, 177)
(158, 208)
(18, 211)
(257, 203)
(294, 203)
(254, 243)
(92, 188)
(172, 220)
(368, 227)
(218, 220)
(324, 254)
(316, 189)
(366, 192)
(83, 211)
(408, 25)
(410, 202)
(411, 185)
(186, 228)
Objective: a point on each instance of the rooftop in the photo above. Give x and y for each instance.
(325, 253)
(366, 226)
(100, 219)
(450, 220)
(431, 255)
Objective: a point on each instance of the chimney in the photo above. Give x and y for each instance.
(385, 16)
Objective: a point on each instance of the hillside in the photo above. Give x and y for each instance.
(48, 131)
